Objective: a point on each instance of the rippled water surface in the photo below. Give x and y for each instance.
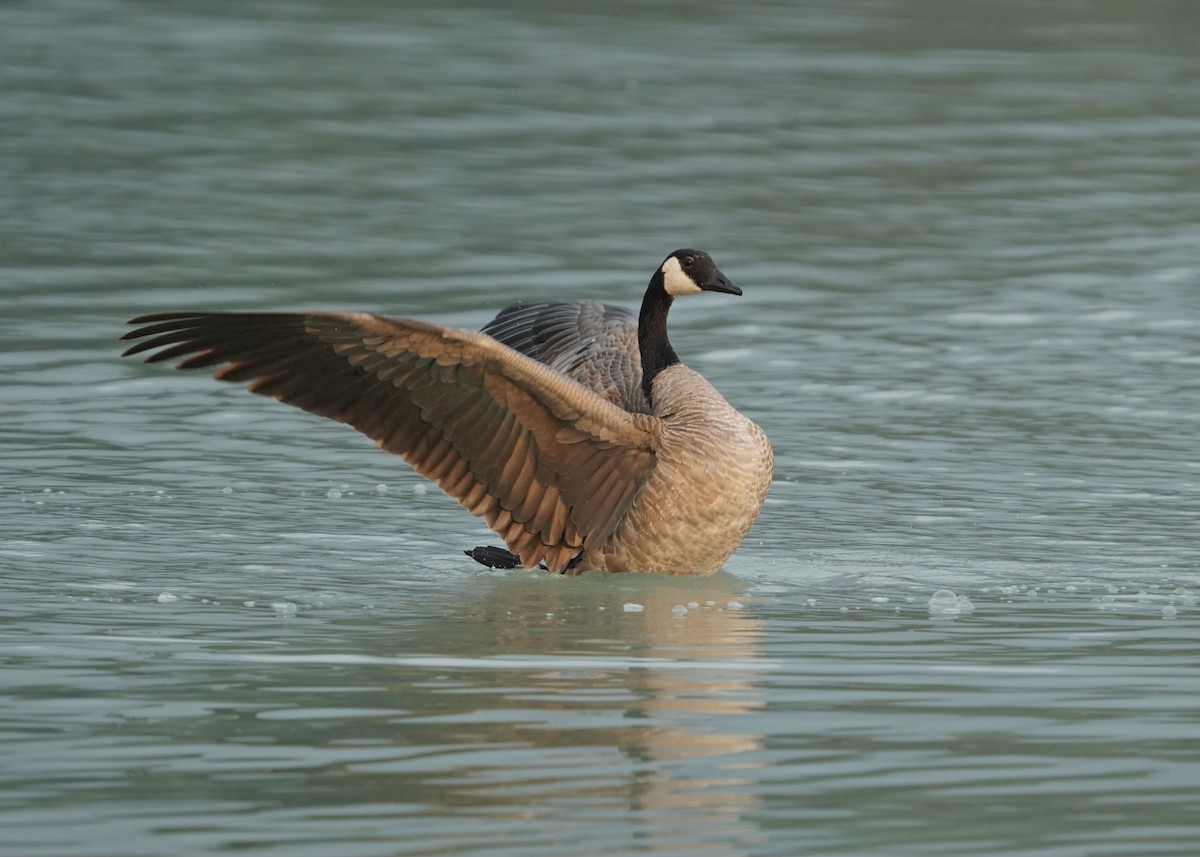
(969, 239)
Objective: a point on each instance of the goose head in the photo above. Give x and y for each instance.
(684, 272)
(690, 272)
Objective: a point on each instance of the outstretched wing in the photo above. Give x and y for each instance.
(544, 461)
(594, 343)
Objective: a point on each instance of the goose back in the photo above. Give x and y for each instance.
(594, 343)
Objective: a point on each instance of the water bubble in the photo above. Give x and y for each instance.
(943, 598)
(734, 605)
(693, 605)
(679, 610)
(284, 609)
(630, 607)
(227, 490)
(420, 488)
(381, 488)
(944, 604)
(1169, 611)
(333, 494)
(167, 598)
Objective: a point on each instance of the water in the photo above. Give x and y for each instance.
(968, 240)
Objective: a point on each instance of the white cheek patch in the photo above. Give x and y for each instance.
(675, 281)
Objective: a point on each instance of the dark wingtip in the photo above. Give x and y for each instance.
(157, 329)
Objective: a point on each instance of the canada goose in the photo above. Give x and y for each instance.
(576, 435)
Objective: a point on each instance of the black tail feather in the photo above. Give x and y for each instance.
(494, 557)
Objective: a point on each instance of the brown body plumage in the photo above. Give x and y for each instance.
(583, 463)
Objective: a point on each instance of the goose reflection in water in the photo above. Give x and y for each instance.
(531, 676)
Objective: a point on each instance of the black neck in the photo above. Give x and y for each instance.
(656, 351)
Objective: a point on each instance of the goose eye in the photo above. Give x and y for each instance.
(688, 261)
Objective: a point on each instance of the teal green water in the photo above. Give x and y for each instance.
(969, 241)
